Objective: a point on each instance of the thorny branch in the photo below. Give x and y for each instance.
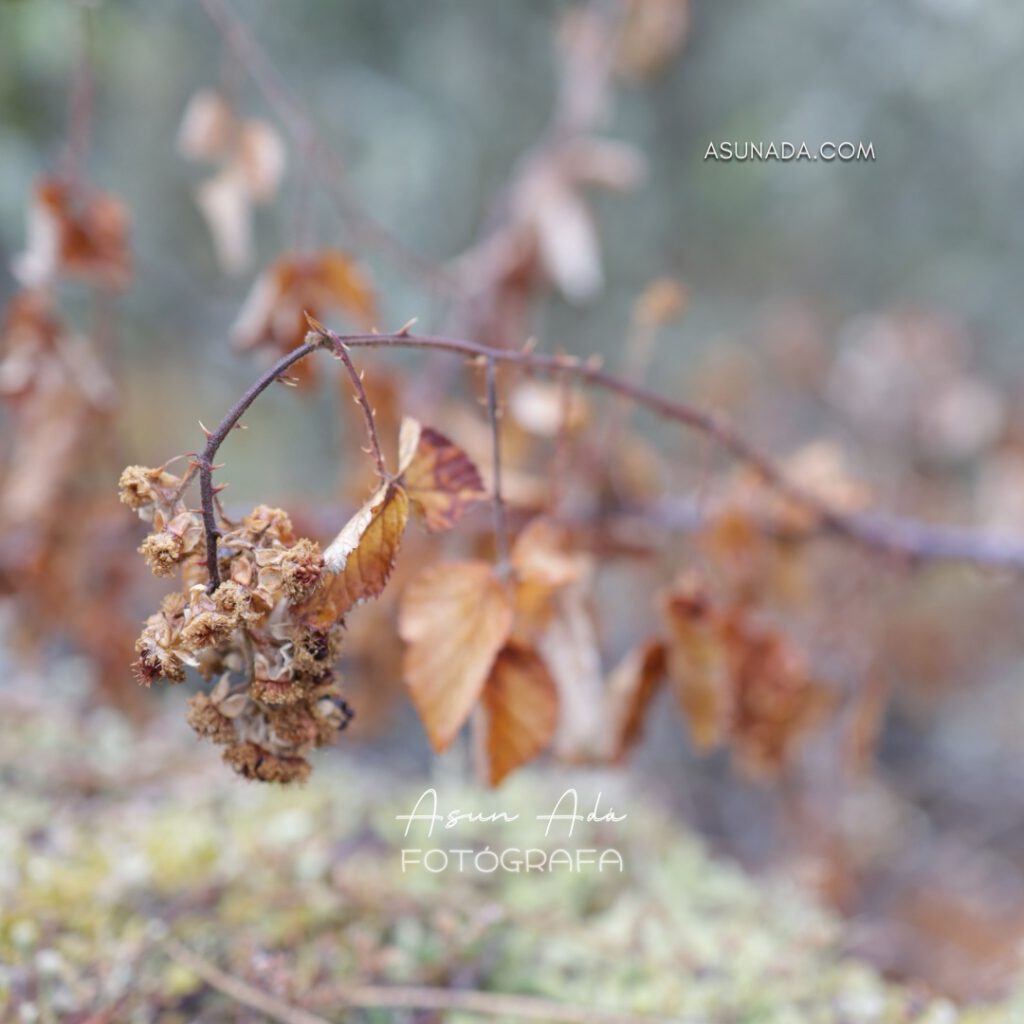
(216, 438)
(364, 403)
(905, 540)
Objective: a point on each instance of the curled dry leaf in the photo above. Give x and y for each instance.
(76, 232)
(438, 476)
(777, 701)
(739, 681)
(251, 156)
(455, 617)
(520, 705)
(698, 664)
(632, 686)
(550, 208)
(359, 560)
(274, 316)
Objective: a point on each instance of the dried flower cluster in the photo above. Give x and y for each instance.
(287, 700)
(271, 631)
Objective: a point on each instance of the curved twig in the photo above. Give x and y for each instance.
(906, 540)
(215, 439)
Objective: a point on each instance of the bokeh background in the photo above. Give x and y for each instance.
(875, 305)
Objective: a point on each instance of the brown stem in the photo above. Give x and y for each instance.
(216, 438)
(904, 539)
(497, 500)
(80, 107)
(364, 403)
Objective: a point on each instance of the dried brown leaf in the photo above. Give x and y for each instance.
(455, 617)
(359, 560)
(438, 476)
(632, 686)
(76, 232)
(699, 665)
(520, 703)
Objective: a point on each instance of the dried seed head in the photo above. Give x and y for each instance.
(207, 629)
(277, 692)
(156, 662)
(302, 567)
(270, 524)
(141, 487)
(205, 718)
(236, 602)
(253, 762)
(162, 551)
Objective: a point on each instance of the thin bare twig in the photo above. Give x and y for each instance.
(408, 997)
(80, 106)
(497, 500)
(216, 438)
(364, 403)
(906, 540)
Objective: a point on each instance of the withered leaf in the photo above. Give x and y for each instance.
(542, 566)
(455, 617)
(699, 665)
(274, 315)
(78, 232)
(252, 158)
(359, 560)
(438, 476)
(631, 688)
(520, 703)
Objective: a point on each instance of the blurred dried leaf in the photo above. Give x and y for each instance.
(320, 283)
(698, 664)
(455, 617)
(77, 232)
(546, 409)
(632, 686)
(542, 564)
(520, 703)
(568, 645)
(252, 160)
(651, 35)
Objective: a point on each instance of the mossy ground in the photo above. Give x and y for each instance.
(113, 838)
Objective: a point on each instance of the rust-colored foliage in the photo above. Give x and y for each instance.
(455, 617)
(438, 476)
(738, 682)
(520, 707)
(359, 560)
(298, 285)
(75, 231)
